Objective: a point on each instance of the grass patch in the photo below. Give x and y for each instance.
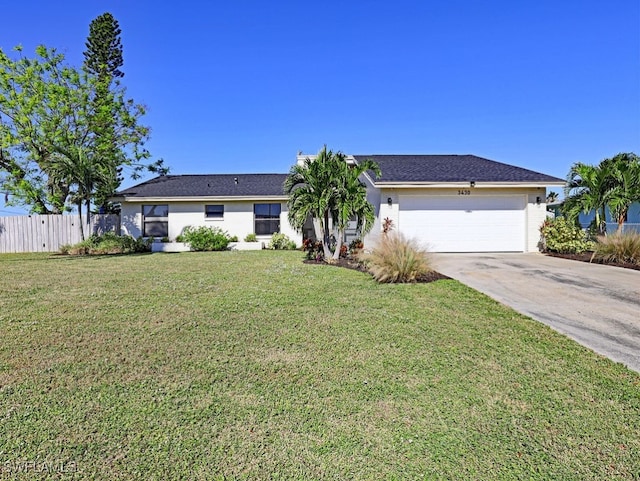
(253, 365)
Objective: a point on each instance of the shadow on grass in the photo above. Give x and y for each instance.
(69, 257)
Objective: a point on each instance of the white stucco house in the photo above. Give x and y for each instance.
(449, 203)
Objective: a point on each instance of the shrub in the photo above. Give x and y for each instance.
(396, 259)
(107, 243)
(355, 246)
(562, 236)
(251, 238)
(206, 238)
(618, 248)
(233, 238)
(281, 242)
(313, 249)
(387, 225)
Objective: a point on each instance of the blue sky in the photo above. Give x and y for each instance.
(241, 87)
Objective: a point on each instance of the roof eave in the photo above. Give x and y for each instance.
(219, 198)
(459, 185)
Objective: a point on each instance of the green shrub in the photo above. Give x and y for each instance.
(233, 238)
(281, 242)
(251, 238)
(565, 237)
(618, 248)
(206, 238)
(107, 243)
(396, 259)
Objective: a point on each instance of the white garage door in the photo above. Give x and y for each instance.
(464, 223)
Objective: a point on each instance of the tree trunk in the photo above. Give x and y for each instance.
(88, 207)
(621, 219)
(321, 234)
(336, 253)
(81, 224)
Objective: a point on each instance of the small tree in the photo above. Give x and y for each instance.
(624, 171)
(329, 190)
(586, 191)
(351, 200)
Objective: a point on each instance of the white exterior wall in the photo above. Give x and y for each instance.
(237, 219)
(534, 213)
(131, 219)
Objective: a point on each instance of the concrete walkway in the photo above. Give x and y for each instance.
(596, 305)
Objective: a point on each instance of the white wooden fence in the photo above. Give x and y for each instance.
(46, 233)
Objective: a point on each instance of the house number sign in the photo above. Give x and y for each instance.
(464, 192)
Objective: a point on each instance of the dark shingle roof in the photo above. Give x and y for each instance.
(214, 185)
(451, 168)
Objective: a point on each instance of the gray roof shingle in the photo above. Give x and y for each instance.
(451, 168)
(395, 168)
(209, 185)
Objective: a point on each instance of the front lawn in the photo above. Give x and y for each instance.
(253, 365)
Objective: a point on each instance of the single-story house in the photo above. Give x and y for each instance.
(449, 203)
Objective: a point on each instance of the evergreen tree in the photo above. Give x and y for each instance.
(103, 59)
(103, 56)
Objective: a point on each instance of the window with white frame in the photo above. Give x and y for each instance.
(266, 218)
(214, 211)
(155, 220)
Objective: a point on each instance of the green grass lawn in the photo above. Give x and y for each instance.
(253, 365)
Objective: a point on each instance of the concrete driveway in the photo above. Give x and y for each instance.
(596, 305)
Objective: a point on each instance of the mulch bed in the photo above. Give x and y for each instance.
(436, 276)
(349, 264)
(586, 257)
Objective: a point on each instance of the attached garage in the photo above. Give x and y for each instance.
(465, 223)
(459, 203)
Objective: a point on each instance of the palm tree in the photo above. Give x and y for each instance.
(351, 199)
(328, 190)
(310, 190)
(79, 170)
(586, 190)
(552, 197)
(624, 170)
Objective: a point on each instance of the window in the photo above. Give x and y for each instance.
(155, 220)
(214, 211)
(267, 218)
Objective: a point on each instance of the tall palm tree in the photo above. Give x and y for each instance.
(310, 190)
(624, 172)
(586, 190)
(351, 199)
(329, 190)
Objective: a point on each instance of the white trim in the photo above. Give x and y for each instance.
(462, 185)
(266, 199)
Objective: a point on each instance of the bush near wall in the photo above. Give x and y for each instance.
(565, 237)
(205, 238)
(107, 243)
(281, 242)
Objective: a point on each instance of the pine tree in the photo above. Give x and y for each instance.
(103, 58)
